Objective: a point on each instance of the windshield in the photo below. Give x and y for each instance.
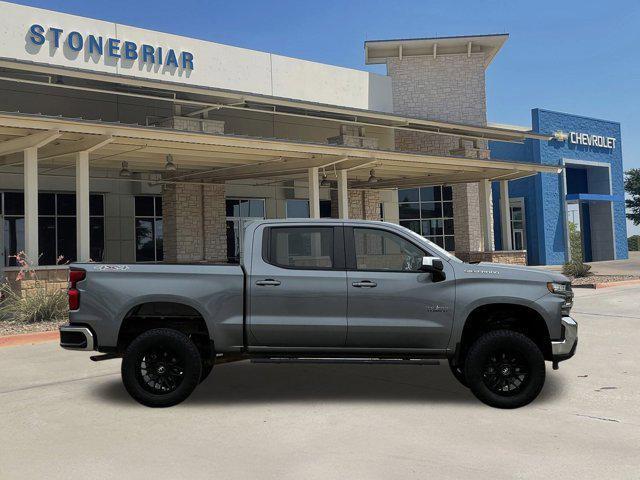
(441, 251)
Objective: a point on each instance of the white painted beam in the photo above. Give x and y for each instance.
(486, 216)
(435, 50)
(88, 145)
(469, 50)
(505, 215)
(31, 247)
(35, 140)
(82, 206)
(314, 193)
(343, 195)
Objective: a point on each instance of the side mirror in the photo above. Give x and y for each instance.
(435, 267)
(432, 264)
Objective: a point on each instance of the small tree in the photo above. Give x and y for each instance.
(575, 242)
(634, 243)
(632, 187)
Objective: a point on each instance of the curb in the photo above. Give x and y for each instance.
(29, 338)
(607, 284)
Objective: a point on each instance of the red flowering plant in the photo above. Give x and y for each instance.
(34, 304)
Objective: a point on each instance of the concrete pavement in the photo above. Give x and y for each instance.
(66, 417)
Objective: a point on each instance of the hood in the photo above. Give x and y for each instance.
(523, 272)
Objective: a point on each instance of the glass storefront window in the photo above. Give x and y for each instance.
(148, 225)
(428, 211)
(56, 227)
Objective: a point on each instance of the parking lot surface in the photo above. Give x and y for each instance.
(66, 417)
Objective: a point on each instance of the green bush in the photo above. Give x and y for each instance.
(634, 243)
(576, 269)
(39, 305)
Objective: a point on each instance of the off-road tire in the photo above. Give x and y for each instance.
(175, 353)
(485, 372)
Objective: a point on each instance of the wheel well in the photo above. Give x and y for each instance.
(504, 316)
(177, 316)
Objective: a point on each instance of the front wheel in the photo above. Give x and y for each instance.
(161, 367)
(505, 369)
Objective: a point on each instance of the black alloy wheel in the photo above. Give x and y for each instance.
(161, 367)
(505, 369)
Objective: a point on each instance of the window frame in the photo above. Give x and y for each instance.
(351, 261)
(442, 203)
(338, 253)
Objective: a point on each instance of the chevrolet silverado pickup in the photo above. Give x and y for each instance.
(340, 291)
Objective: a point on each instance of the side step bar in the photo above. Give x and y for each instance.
(359, 361)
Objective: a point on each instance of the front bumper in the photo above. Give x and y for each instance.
(76, 338)
(566, 348)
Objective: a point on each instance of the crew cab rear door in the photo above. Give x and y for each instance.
(297, 287)
(392, 303)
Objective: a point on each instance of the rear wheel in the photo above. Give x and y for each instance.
(161, 367)
(505, 369)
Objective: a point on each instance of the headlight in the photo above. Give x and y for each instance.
(559, 288)
(564, 290)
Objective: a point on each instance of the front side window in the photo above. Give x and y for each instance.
(148, 223)
(302, 247)
(383, 250)
(238, 211)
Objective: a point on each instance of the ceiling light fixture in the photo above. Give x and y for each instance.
(325, 181)
(170, 166)
(124, 171)
(372, 177)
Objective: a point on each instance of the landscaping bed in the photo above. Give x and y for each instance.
(599, 281)
(16, 328)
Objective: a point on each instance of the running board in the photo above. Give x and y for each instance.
(360, 361)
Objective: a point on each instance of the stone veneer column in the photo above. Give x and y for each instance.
(194, 223)
(448, 88)
(363, 204)
(182, 223)
(215, 223)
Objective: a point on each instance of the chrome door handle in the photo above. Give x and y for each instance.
(365, 284)
(269, 282)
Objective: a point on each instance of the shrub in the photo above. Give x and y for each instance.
(576, 269)
(39, 305)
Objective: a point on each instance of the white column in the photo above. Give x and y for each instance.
(31, 205)
(486, 215)
(314, 193)
(82, 206)
(505, 215)
(343, 196)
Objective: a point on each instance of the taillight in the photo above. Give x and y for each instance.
(75, 275)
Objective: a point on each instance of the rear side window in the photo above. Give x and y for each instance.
(302, 247)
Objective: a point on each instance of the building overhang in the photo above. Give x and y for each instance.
(197, 100)
(218, 158)
(378, 51)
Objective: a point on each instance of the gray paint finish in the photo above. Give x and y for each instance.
(318, 310)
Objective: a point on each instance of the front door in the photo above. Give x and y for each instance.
(297, 288)
(392, 304)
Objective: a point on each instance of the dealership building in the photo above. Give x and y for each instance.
(119, 144)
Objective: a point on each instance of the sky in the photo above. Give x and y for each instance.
(578, 57)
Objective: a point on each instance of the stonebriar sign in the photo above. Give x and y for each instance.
(115, 48)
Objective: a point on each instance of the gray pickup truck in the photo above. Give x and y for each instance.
(339, 291)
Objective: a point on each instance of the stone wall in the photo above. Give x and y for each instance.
(50, 278)
(514, 257)
(449, 88)
(194, 223)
